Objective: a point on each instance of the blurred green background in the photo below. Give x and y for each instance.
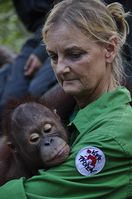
(12, 32)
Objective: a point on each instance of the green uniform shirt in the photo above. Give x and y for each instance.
(104, 131)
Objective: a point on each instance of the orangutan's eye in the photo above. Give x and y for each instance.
(34, 137)
(47, 128)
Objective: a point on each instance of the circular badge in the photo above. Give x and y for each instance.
(90, 160)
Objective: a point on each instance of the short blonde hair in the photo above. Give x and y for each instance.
(95, 18)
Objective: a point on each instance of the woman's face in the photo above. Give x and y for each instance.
(80, 64)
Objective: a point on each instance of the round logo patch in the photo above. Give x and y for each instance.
(90, 160)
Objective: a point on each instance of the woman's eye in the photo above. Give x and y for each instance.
(75, 55)
(47, 128)
(34, 137)
(53, 57)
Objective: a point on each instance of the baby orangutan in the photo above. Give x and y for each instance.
(36, 138)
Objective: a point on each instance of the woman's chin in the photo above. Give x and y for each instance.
(71, 88)
(70, 91)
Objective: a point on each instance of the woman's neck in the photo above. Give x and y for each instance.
(89, 97)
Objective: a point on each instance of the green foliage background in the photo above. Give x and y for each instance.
(12, 32)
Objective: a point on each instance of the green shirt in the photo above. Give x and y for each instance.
(105, 124)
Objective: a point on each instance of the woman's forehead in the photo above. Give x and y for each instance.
(66, 36)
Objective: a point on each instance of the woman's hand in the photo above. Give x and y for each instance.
(32, 65)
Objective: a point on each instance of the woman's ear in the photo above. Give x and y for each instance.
(111, 49)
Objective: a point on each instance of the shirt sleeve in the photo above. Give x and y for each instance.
(41, 52)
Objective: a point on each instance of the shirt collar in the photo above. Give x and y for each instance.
(109, 100)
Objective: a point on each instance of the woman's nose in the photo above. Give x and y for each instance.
(62, 67)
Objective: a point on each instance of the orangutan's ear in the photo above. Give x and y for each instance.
(55, 111)
(11, 146)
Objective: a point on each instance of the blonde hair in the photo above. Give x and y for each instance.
(95, 18)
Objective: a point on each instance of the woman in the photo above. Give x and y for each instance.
(84, 39)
